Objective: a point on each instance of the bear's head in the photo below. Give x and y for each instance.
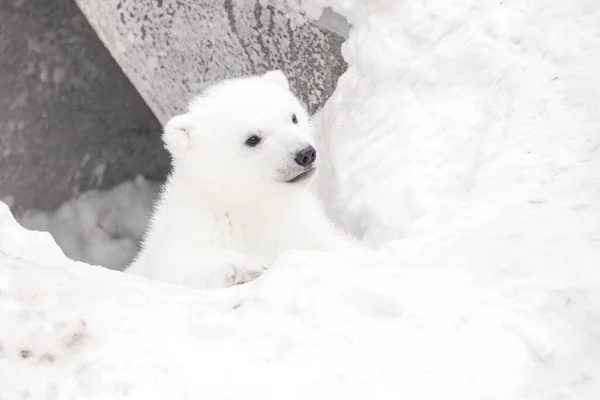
(245, 133)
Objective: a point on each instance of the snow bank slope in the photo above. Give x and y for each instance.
(448, 102)
(486, 313)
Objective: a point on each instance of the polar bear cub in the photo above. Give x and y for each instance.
(237, 195)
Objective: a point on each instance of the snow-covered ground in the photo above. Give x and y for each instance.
(468, 130)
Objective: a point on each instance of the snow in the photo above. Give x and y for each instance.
(316, 326)
(100, 227)
(464, 144)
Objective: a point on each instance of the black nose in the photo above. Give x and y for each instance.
(306, 157)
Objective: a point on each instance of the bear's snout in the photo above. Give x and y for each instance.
(306, 157)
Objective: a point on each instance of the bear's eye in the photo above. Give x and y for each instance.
(294, 118)
(253, 141)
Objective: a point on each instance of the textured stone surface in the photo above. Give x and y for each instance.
(171, 49)
(69, 118)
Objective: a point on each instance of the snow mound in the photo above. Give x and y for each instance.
(413, 322)
(448, 102)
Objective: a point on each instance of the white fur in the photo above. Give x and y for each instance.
(226, 211)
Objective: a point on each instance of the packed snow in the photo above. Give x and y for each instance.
(464, 143)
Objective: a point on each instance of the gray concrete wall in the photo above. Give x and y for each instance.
(171, 49)
(69, 118)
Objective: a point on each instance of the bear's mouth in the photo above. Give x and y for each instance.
(302, 176)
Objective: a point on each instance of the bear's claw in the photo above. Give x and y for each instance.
(232, 274)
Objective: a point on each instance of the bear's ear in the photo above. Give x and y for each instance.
(277, 77)
(177, 135)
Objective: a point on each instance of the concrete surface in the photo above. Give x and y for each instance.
(69, 118)
(171, 49)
